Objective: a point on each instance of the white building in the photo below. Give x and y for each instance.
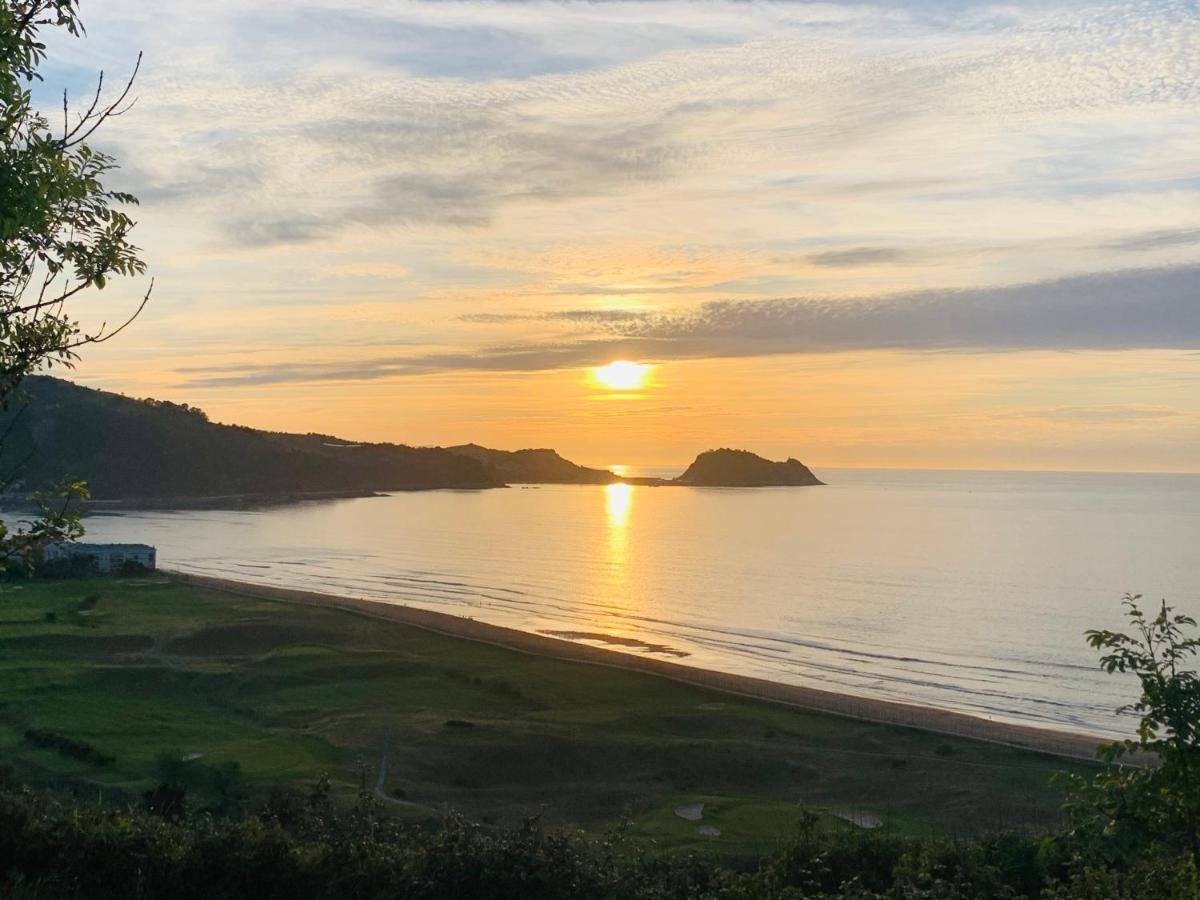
(109, 557)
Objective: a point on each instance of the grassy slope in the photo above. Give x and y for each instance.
(292, 692)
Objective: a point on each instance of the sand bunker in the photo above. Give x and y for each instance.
(861, 819)
(616, 641)
(693, 812)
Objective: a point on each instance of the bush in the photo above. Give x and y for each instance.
(68, 746)
(1150, 808)
(78, 565)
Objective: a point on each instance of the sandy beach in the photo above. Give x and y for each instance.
(1059, 743)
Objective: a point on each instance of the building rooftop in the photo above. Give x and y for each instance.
(83, 547)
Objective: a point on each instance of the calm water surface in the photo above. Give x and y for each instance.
(969, 591)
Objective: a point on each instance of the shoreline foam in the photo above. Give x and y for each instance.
(926, 718)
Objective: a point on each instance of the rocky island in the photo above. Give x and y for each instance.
(741, 468)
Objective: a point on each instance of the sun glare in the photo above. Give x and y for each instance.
(621, 375)
(618, 498)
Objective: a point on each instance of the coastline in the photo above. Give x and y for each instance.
(222, 501)
(925, 718)
(217, 501)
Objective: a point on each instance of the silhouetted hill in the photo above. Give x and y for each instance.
(534, 466)
(161, 453)
(147, 449)
(740, 468)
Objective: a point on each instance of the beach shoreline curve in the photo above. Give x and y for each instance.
(1065, 744)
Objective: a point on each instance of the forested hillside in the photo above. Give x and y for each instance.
(534, 466)
(126, 448)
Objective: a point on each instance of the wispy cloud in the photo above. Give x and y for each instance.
(1141, 308)
(1122, 414)
(593, 316)
(462, 174)
(860, 256)
(1130, 310)
(1154, 240)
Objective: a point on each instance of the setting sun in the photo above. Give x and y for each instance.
(622, 375)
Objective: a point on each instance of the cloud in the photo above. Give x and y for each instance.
(904, 185)
(1127, 310)
(1134, 309)
(594, 316)
(492, 359)
(295, 228)
(461, 173)
(860, 256)
(208, 179)
(421, 49)
(1120, 414)
(1154, 240)
(767, 117)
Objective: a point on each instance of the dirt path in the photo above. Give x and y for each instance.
(383, 763)
(381, 782)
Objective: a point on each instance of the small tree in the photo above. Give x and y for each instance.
(61, 233)
(58, 520)
(1152, 805)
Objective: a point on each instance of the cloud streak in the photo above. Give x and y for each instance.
(1125, 310)
(860, 256)
(1139, 309)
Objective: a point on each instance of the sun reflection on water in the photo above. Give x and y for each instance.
(618, 500)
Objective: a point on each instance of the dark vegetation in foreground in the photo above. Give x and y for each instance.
(299, 845)
(188, 743)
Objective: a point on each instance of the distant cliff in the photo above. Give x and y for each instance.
(534, 466)
(740, 468)
(157, 453)
(154, 450)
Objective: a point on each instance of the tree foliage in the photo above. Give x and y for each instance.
(1147, 799)
(62, 232)
(58, 520)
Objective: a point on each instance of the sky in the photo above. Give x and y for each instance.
(899, 234)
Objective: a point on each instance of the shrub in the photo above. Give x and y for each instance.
(1151, 807)
(68, 746)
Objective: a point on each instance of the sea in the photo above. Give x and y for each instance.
(968, 591)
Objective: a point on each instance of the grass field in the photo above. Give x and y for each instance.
(291, 693)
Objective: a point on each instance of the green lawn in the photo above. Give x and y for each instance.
(291, 693)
